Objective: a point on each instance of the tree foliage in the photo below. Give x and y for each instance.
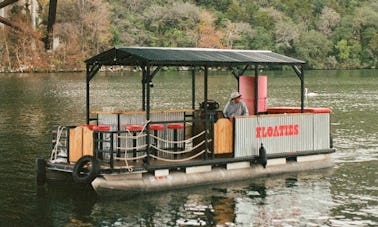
(313, 47)
(326, 34)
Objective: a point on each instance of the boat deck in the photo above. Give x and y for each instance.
(140, 165)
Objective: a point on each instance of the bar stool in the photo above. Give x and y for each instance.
(134, 129)
(100, 140)
(175, 127)
(156, 128)
(99, 127)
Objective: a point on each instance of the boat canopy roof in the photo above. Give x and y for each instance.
(151, 59)
(159, 56)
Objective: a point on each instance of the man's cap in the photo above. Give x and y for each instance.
(235, 95)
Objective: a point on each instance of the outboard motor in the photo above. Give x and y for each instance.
(212, 107)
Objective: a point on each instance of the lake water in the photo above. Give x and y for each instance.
(347, 195)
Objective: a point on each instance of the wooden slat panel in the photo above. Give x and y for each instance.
(223, 136)
(87, 141)
(76, 143)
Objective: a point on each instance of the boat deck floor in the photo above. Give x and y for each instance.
(160, 164)
(140, 165)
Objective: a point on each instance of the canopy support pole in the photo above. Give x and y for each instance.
(148, 109)
(90, 73)
(237, 72)
(256, 101)
(146, 81)
(206, 75)
(300, 74)
(146, 84)
(143, 88)
(193, 89)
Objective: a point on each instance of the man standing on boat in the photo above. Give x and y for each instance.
(235, 107)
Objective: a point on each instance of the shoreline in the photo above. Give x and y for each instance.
(128, 69)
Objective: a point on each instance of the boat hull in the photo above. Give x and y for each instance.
(147, 182)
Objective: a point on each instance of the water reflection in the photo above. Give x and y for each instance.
(291, 182)
(355, 193)
(306, 199)
(292, 200)
(31, 104)
(58, 204)
(224, 209)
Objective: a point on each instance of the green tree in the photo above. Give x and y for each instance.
(348, 53)
(366, 26)
(235, 12)
(343, 50)
(266, 17)
(172, 24)
(324, 33)
(286, 34)
(238, 34)
(217, 5)
(313, 47)
(263, 39)
(128, 22)
(83, 24)
(328, 20)
(374, 50)
(301, 11)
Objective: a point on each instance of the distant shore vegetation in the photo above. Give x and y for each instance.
(328, 34)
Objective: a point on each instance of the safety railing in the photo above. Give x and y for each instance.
(60, 144)
(126, 150)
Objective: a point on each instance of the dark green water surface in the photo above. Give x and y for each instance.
(347, 195)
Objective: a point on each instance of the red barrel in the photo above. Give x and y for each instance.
(247, 91)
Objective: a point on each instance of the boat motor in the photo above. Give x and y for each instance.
(211, 105)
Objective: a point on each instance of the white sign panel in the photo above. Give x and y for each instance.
(281, 133)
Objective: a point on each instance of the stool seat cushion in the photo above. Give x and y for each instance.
(157, 127)
(99, 127)
(175, 126)
(134, 128)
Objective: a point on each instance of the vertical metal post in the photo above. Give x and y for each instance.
(134, 144)
(144, 88)
(146, 84)
(90, 73)
(236, 74)
(87, 93)
(68, 145)
(111, 161)
(193, 89)
(175, 144)
(205, 107)
(302, 90)
(256, 101)
(238, 81)
(118, 134)
(147, 80)
(300, 74)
